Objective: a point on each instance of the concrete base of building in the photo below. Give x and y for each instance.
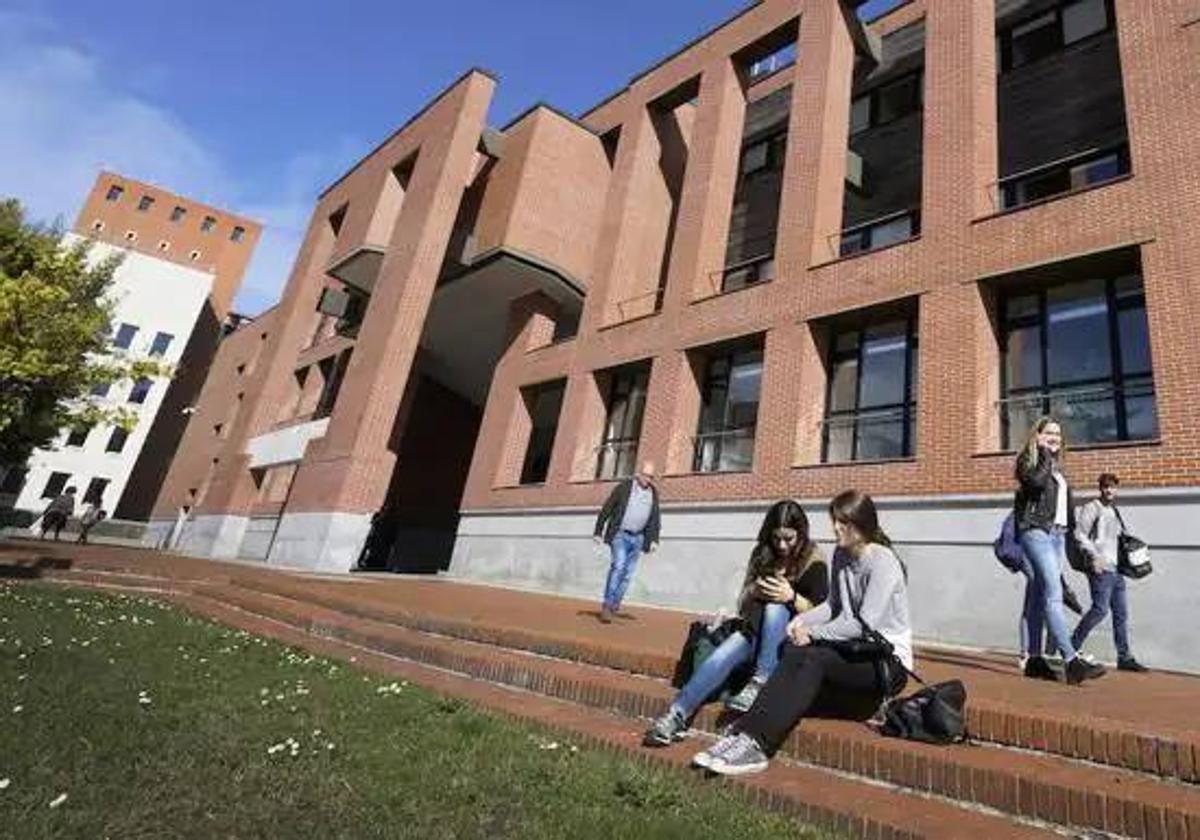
(326, 542)
(959, 593)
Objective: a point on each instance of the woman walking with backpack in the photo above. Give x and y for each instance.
(787, 575)
(1045, 514)
(844, 658)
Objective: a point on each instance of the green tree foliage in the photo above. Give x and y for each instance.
(55, 328)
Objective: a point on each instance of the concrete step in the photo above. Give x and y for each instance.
(851, 807)
(1003, 709)
(1067, 793)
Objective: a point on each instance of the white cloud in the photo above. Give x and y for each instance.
(64, 121)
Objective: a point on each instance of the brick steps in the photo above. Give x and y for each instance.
(996, 714)
(1041, 787)
(850, 807)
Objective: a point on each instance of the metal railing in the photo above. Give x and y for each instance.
(739, 275)
(1005, 193)
(626, 309)
(712, 451)
(864, 237)
(857, 422)
(1076, 407)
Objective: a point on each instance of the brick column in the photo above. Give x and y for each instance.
(349, 469)
(621, 225)
(958, 361)
(702, 225)
(810, 207)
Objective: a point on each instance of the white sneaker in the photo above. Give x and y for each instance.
(744, 756)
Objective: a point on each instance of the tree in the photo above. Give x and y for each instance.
(55, 325)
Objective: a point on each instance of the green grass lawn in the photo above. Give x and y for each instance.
(127, 718)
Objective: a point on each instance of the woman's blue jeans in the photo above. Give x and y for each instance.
(734, 651)
(1047, 553)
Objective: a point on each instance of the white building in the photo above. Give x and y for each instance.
(157, 304)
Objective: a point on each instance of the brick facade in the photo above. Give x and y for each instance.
(629, 208)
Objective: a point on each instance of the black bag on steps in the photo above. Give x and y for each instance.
(936, 714)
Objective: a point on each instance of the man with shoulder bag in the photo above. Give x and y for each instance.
(1102, 537)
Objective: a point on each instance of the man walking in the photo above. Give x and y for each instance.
(628, 523)
(1098, 528)
(60, 509)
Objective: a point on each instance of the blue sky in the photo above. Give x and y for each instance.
(256, 106)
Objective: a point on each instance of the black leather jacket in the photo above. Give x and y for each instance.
(1037, 498)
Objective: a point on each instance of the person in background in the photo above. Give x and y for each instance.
(92, 515)
(56, 514)
(629, 524)
(1098, 530)
(816, 677)
(787, 575)
(1044, 515)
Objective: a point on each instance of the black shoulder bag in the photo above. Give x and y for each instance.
(1133, 555)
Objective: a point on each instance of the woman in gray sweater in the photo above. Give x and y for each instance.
(816, 676)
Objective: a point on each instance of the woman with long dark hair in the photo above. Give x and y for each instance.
(787, 575)
(1044, 512)
(823, 672)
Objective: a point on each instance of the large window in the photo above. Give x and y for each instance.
(887, 102)
(161, 342)
(333, 372)
(544, 402)
(1081, 352)
(95, 491)
(870, 408)
(623, 423)
(55, 485)
(1050, 32)
(1071, 174)
(125, 334)
(140, 390)
(729, 409)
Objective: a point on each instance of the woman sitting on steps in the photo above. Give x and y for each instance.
(826, 671)
(787, 575)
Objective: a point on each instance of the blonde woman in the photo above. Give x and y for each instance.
(1045, 513)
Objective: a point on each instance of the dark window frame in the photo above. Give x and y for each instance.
(50, 490)
(619, 451)
(132, 335)
(77, 437)
(94, 495)
(114, 193)
(539, 449)
(117, 440)
(915, 104)
(1004, 57)
(145, 204)
(1120, 382)
(709, 443)
(154, 351)
(907, 408)
(140, 392)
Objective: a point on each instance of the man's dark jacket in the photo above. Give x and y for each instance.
(613, 512)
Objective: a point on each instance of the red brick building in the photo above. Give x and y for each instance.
(801, 254)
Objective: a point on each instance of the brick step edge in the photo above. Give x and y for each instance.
(848, 807)
(1099, 741)
(918, 768)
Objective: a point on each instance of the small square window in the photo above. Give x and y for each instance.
(241, 369)
(100, 389)
(160, 344)
(195, 255)
(116, 441)
(178, 213)
(1083, 19)
(125, 335)
(97, 226)
(145, 203)
(131, 236)
(140, 390)
(114, 193)
(860, 114)
(55, 484)
(78, 436)
(95, 491)
(238, 234)
(218, 428)
(164, 245)
(208, 224)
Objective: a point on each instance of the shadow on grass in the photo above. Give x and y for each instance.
(34, 568)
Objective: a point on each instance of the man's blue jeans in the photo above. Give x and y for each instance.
(1047, 553)
(733, 652)
(1108, 590)
(626, 548)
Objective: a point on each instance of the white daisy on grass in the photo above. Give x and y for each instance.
(4, 783)
(58, 800)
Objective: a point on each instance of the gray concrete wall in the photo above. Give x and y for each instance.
(960, 594)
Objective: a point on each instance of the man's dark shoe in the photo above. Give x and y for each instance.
(1038, 668)
(606, 615)
(1128, 663)
(1079, 669)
